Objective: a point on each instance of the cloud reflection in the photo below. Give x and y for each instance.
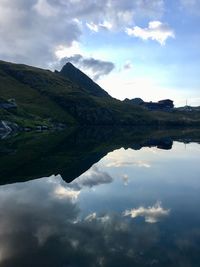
(122, 158)
(93, 177)
(42, 218)
(62, 192)
(151, 214)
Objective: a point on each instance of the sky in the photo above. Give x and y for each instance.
(132, 48)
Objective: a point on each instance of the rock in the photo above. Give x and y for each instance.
(40, 128)
(59, 126)
(4, 127)
(10, 104)
(7, 128)
(27, 129)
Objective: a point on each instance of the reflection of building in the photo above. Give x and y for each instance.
(165, 105)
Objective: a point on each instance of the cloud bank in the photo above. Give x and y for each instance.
(32, 30)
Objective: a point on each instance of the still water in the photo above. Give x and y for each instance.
(131, 208)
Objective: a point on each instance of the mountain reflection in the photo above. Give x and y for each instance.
(71, 153)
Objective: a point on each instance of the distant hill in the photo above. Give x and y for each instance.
(32, 97)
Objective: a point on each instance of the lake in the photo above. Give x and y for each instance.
(110, 198)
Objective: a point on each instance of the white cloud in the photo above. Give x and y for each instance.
(120, 163)
(151, 214)
(101, 26)
(93, 216)
(93, 27)
(62, 51)
(156, 30)
(122, 157)
(106, 25)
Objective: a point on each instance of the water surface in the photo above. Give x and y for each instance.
(130, 208)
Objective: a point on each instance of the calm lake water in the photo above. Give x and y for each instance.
(131, 208)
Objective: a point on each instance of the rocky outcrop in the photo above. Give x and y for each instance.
(7, 127)
(8, 104)
(4, 127)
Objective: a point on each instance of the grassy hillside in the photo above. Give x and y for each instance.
(43, 97)
(46, 98)
(32, 88)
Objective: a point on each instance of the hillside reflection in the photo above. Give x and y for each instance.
(72, 152)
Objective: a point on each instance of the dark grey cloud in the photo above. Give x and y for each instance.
(97, 67)
(30, 36)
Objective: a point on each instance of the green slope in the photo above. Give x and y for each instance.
(30, 87)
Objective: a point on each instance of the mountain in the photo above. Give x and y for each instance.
(34, 98)
(81, 79)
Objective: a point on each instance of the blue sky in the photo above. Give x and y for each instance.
(138, 48)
